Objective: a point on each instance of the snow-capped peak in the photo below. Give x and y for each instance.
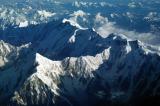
(23, 24)
(74, 23)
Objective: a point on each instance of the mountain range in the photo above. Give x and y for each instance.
(58, 64)
(79, 53)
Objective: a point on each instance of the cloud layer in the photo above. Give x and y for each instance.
(106, 27)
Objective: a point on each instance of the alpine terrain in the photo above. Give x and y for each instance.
(79, 53)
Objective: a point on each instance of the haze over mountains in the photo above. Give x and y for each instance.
(79, 53)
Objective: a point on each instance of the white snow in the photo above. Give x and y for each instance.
(45, 13)
(73, 23)
(73, 37)
(73, 19)
(132, 5)
(128, 48)
(23, 24)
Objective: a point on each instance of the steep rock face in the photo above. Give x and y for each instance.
(13, 68)
(9, 53)
(5, 50)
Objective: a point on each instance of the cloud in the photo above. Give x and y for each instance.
(110, 27)
(152, 16)
(132, 5)
(99, 19)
